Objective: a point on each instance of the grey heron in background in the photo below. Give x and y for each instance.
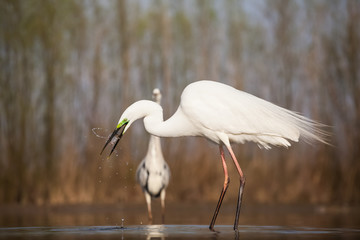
(153, 173)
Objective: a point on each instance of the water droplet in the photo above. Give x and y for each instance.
(122, 223)
(99, 167)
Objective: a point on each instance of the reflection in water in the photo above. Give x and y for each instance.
(155, 231)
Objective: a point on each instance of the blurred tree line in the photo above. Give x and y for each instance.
(69, 68)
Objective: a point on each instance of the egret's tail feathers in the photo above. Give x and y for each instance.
(311, 130)
(276, 125)
(285, 125)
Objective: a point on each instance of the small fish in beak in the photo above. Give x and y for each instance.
(115, 137)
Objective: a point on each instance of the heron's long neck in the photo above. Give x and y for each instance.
(154, 143)
(154, 150)
(176, 126)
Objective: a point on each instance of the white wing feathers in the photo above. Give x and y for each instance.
(244, 117)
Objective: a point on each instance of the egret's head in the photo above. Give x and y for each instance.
(117, 134)
(135, 111)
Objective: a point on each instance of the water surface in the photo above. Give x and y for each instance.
(178, 232)
(183, 221)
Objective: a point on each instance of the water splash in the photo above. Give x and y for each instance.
(97, 133)
(102, 133)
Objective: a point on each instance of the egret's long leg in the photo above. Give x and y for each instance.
(241, 188)
(223, 191)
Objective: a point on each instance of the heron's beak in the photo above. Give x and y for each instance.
(117, 134)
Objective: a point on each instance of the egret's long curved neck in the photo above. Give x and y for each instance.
(176, 126)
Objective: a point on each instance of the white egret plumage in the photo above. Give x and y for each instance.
(223, 115)
(153, 173)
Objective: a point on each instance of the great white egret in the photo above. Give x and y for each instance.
(223, 115)
(153, 173)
